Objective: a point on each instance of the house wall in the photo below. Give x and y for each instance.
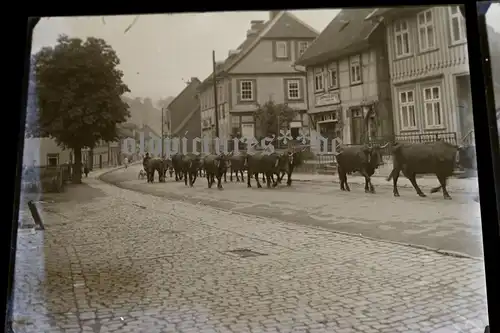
(347, 94)
(36, 151)
(207, 117)
(266, 87)
(261, 60)
(417, 70)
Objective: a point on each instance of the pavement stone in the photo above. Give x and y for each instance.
(114, 260)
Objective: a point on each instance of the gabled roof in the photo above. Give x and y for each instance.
(346, 33)
(283, 25)
(289, 26)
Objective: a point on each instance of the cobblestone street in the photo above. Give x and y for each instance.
(445, 225)
(113, 260)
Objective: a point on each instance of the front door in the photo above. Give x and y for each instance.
(357, 126)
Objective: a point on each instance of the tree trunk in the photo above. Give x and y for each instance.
(77, 166)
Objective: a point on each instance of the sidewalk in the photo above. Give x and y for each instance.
(113, 260)
(26, 220)
(468, 185)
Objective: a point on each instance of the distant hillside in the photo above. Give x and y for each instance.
(143, 112)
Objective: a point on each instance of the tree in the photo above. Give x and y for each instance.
(270, 118)
(78, 94)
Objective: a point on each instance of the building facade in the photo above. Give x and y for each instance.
(348, 80)
(261, 69)
(428, 61)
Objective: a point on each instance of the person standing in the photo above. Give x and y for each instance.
(125, 162)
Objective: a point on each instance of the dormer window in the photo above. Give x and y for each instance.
(281, 51)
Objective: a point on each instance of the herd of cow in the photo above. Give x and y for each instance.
(439, 158)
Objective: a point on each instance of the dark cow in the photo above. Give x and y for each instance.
(288, 162)
(439, 158)
(364, 159)
(237, 165)
(190, 165)
(266, 163)
(145, 162)
(215, 166)
(177, 166)
(155, 164)
(168, 166)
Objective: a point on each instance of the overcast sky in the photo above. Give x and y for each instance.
(160, 52)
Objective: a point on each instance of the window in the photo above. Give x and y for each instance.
(318, 80)
(293, 89)
(355, 72)
(425, 31)
(246, 90)
(457, 28)
(402, 38)
(407, 109)
(281, 50)
(303, 47)
(432, 107)
(52, 159)
(333, 79)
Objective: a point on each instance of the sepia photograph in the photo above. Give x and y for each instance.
(283, 171)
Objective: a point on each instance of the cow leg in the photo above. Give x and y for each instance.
(394, 175)
(289, 179)
(249, 178)
(442, 181)
(242, 177)
(219, 181)
(225, 179)
(413, 180)
(185, 178)
(269, 177)
(368, 183)
(209, 182)
(231, 175)
(257, 180)
(275, 183)
(195, 176)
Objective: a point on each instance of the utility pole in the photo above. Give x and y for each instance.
(162, 132)
(216, 106)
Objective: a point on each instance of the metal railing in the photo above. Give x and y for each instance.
(450, 137)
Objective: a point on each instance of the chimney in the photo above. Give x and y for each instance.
(233, 53)
(273, 14)
(256, 24)
(251, 33)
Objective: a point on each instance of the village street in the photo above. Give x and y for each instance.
(114, 260)
(447, 225)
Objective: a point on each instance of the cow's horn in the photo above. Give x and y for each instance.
(384, 145)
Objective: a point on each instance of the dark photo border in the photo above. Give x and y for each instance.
(486, 132)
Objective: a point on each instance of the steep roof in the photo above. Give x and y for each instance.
(289, 26)
(186, 102)
(185, 121)
(186, 96)
(283, 25)
(346, 33)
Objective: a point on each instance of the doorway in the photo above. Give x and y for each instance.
(357, 126)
